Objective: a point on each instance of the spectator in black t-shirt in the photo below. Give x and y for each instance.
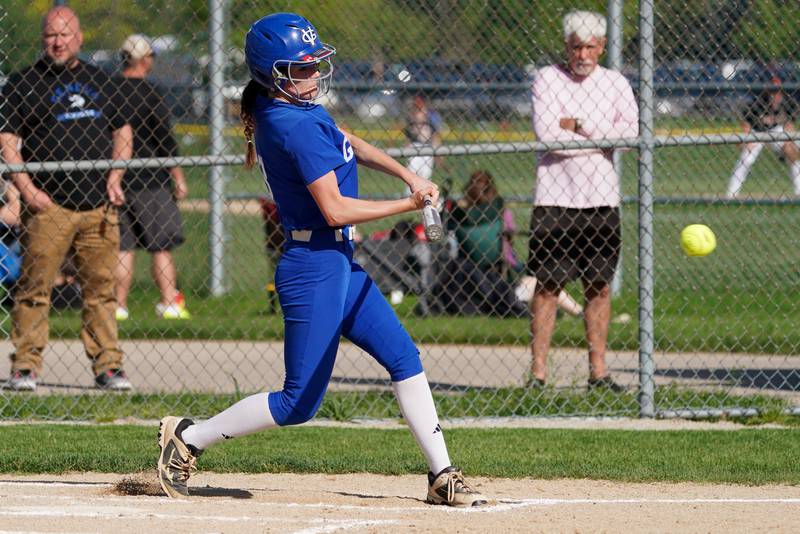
(150, 218)
(771, 111)
(61, 109)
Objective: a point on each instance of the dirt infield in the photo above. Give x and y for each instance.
(370, 503)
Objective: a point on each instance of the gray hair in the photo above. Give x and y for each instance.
(584, 25)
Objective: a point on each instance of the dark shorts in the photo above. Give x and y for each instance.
(567, 244)
(150, 220)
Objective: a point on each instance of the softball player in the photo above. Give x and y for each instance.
(310, 167)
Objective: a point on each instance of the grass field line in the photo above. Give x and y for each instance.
(564, 423)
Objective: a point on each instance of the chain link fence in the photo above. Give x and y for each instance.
(445, 86)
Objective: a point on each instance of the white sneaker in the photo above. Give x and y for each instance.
(21, 381)
(171, 311)
(122, 314)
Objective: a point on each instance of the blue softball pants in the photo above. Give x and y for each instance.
(324, 295)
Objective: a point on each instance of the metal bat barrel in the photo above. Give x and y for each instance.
(431, 221)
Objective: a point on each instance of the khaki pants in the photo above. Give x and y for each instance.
(46, 238)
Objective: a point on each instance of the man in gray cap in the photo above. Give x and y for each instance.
(150, 219)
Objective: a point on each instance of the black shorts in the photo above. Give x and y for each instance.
(567, 244)
(150, 220)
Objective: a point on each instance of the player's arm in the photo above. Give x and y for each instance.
(339, 210)
(34, 197)
(121, 149)
(374, 158)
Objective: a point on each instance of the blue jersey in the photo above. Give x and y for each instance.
(296, 145)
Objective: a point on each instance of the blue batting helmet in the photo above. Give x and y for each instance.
(278, 41)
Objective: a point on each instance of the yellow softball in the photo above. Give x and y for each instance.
(698, 240)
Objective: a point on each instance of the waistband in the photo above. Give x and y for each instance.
(322, 235)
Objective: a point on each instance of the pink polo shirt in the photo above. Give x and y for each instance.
(606, 108)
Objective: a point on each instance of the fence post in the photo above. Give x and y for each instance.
(614, 57)
(646, 146)
(216, 177)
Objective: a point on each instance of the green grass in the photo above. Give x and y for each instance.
(376, 404)
(742, 298)
(749, 456)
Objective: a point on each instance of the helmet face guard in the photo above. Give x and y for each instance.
(282, 42)
(283, 79)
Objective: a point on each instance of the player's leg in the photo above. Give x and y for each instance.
(312, 288)
(371, 323)
(792, 155)
(747, 158)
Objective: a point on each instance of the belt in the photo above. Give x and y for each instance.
(305, 236)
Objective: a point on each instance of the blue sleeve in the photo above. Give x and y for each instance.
(314, 150)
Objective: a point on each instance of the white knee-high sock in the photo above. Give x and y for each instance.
(416, 403)
(245, 417)
(747, 158)
(794, 171)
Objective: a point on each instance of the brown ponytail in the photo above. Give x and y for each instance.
(246, 114)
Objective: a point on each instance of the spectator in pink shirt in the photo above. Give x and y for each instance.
(575, 225)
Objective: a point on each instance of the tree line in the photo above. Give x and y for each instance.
(465, 31)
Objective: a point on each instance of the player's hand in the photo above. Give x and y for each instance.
(418, 196)
(114, 189)
(36, 199)
(181, 189)
(421, 183)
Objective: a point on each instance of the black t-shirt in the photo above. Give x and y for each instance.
(64, 115)
(152, 136)
(770, 109)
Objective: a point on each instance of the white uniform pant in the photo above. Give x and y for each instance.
(747, 159)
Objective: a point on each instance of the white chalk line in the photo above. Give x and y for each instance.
(35, 483)
(346, 525)
(492, 507)
(128, 514)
